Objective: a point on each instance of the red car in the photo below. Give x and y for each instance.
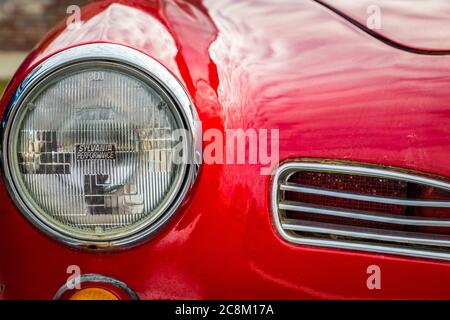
(291, 149)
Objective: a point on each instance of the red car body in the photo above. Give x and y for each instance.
(333, 90)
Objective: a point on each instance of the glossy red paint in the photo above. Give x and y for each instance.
(417, 24)
(332, 90)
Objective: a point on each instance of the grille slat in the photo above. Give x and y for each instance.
(354, 196)
(353, 214)
(365, 233)
(362, 208)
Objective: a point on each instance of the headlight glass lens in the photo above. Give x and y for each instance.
(92, 151)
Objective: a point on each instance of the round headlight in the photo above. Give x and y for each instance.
(100, 146)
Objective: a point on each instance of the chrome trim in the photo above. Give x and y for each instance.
(364, 233)
(281, 223)
(358, 246)
(97, 278)
(142, 65)
(361, 215)
(355, 196)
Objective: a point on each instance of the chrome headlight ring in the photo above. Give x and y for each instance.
(134, 64)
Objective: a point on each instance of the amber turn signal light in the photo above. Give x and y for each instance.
(93, 294)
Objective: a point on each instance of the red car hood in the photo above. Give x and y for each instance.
(423, 25)
(333, 91)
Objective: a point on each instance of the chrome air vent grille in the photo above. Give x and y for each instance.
(362, 208)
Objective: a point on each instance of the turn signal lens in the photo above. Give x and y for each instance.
(94, 294)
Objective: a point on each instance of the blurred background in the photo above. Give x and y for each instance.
(23, 23)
